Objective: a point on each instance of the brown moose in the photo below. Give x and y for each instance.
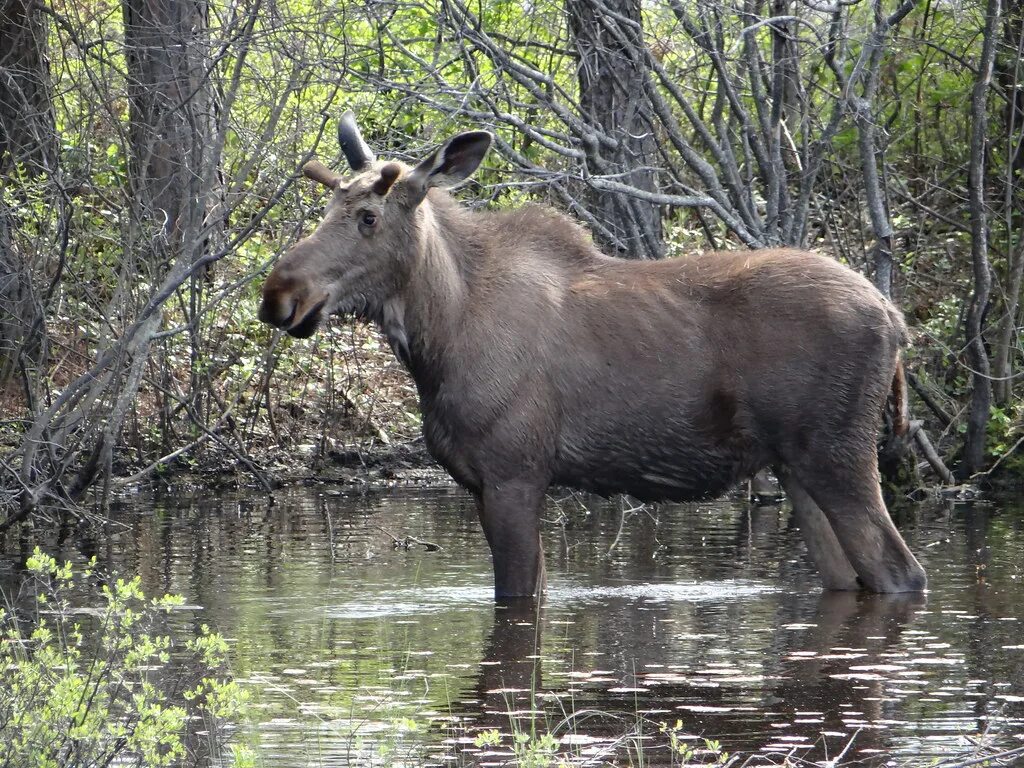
(539, 361)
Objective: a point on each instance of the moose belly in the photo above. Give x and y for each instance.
(650, 486)
(660, 471)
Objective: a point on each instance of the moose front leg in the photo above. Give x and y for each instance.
(510, 515)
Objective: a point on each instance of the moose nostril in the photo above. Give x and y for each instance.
(291, 316)
(277, 312)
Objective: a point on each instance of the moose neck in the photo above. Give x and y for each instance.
(438, 284)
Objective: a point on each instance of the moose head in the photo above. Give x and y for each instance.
(358, 258)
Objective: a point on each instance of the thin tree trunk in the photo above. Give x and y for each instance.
(612, 100)
(865, 119)
(27, 135)
(977, 358)
(1003, 346)
(28, 144)
(1008, 72)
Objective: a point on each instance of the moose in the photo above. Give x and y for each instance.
(539, 360)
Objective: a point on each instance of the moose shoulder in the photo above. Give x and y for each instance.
(540, 360)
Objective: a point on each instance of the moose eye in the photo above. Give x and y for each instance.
(368, 220)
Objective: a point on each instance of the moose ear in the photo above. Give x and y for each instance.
(358, 154)
(452, 162)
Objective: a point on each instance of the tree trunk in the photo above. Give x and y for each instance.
(172, 125)
(866, 120)
(28, 144)
(1008, 72)
(170, 113)
(20, 311)
(977, 358)
(613, 103)
(27, 135)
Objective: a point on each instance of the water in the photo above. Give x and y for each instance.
(707, 618)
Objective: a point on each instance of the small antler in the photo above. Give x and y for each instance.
(317, 171)
(388, 175)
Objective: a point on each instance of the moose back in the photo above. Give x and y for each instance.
(539, 360)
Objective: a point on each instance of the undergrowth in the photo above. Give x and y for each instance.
(106, 685)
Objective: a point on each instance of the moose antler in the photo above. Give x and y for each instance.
(388, 175)
(317, 171)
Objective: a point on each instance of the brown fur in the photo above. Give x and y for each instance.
(540, 360)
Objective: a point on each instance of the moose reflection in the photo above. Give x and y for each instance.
(825, 676)
(539, 360)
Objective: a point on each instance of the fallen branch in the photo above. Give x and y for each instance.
(929, 453)
(928, 400)
(987, 759)
(408, 541)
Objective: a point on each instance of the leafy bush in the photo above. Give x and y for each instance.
(88, 687)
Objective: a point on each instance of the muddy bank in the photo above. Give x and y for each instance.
(366, 467)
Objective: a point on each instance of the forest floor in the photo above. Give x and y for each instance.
(343, 412)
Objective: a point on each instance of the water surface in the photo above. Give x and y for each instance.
(706, 617)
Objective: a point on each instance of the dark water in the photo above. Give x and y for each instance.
(705, 617)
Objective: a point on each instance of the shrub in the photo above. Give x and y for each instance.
(88, 687)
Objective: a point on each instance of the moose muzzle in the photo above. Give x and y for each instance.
(292, 307)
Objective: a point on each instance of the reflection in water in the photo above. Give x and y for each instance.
(704, 614)
(811, 676)
(510, 669)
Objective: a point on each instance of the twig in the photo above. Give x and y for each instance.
(378, 430)
(999, 461)
(408, 541)
(1016, 752)
(846, 749)
(622, 522)
(330, 532)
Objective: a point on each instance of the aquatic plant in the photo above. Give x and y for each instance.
(93, 687)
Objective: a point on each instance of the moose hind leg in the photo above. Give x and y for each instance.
(852, 502)
(510, 515)
(822, 545)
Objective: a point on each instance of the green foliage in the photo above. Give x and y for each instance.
(532, 750)
(685, 753)
(90, 688)
(543, 749)
(1005, 430)
(535, 750)
(488, 738)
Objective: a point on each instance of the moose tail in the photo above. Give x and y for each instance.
(900, 409)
